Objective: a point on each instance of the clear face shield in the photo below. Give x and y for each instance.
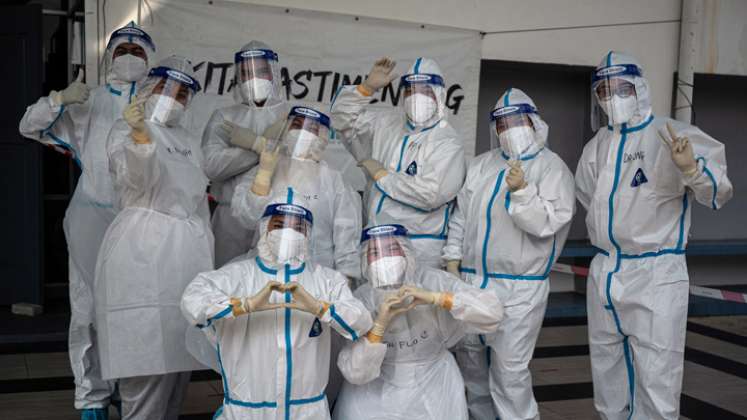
(127, 54)
(512, 129)
(423, 94)
(171, 94)
(614, 99)
(384, 258)
(306, 133)
(288, 229)
(257, 76)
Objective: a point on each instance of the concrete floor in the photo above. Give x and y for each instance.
(35, 384)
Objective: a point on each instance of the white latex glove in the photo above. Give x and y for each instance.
(260, 301)
(452, 266)
(303, 301)
(682, 151)
(134, 115)
(76, 93)
(380, 75)
(389, 309)
(373, 168)
(268, 161)
(515, 177)
(426, 297)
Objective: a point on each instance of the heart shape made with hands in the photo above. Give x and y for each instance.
(301, 299)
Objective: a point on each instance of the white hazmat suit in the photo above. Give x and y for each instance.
(507, 242)
(638, 204)
(424, 162)
(80, 130)
(274, 360)
(411, 374)
(226, 162)
(154, 247)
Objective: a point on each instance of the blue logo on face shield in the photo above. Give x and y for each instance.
(412, 169)
(639, 178)
(316, 329)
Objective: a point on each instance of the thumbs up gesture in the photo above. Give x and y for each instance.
(76, 93)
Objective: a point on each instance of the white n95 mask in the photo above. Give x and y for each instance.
(620, 110)
(516, 140)
(128, 68)
(286, 244)
(300, 143)
(163, 110)
(387, 271)
(256, 89)
(420, 108)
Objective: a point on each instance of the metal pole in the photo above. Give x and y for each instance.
(691, 12)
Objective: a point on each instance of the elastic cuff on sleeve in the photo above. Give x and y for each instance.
(364, 90)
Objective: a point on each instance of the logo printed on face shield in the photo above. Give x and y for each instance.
(287, 208)
(252, 53)
(418, 78)
(173, 74)
(639, 178)
(505, 110)
(130, 31)
(381, 230)
(412, 169)
(307, 112)
(608, 71)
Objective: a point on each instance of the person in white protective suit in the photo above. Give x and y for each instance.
(155, 246)
(76, 121)
(296, 163)
(413, 157)
(511, 222)
(236, 135)
(403, 369)
(270, 318)
(637, 178)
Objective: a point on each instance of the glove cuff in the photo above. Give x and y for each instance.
(381, 173)
(324, 306)
(140, 136)
(445, 301)
(56, 98)
(238, 307)
(376, 334)
(690, 173)
(364, 90)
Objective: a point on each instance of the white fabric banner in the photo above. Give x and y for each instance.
(318, 53)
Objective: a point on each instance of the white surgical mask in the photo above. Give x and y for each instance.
(420, 108)
(163, 110)
(256, 89)
(286, 244)
(128, 68)
(620, 110)
(387, 271)
(300, 143)
(516, 140)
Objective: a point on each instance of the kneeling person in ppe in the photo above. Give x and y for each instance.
(403, 369)
(270, 319)
(511, 222)
(413, 157)
(159, 241)
(296, 163)
(76, 121)
(236, 135)
(638, 178)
